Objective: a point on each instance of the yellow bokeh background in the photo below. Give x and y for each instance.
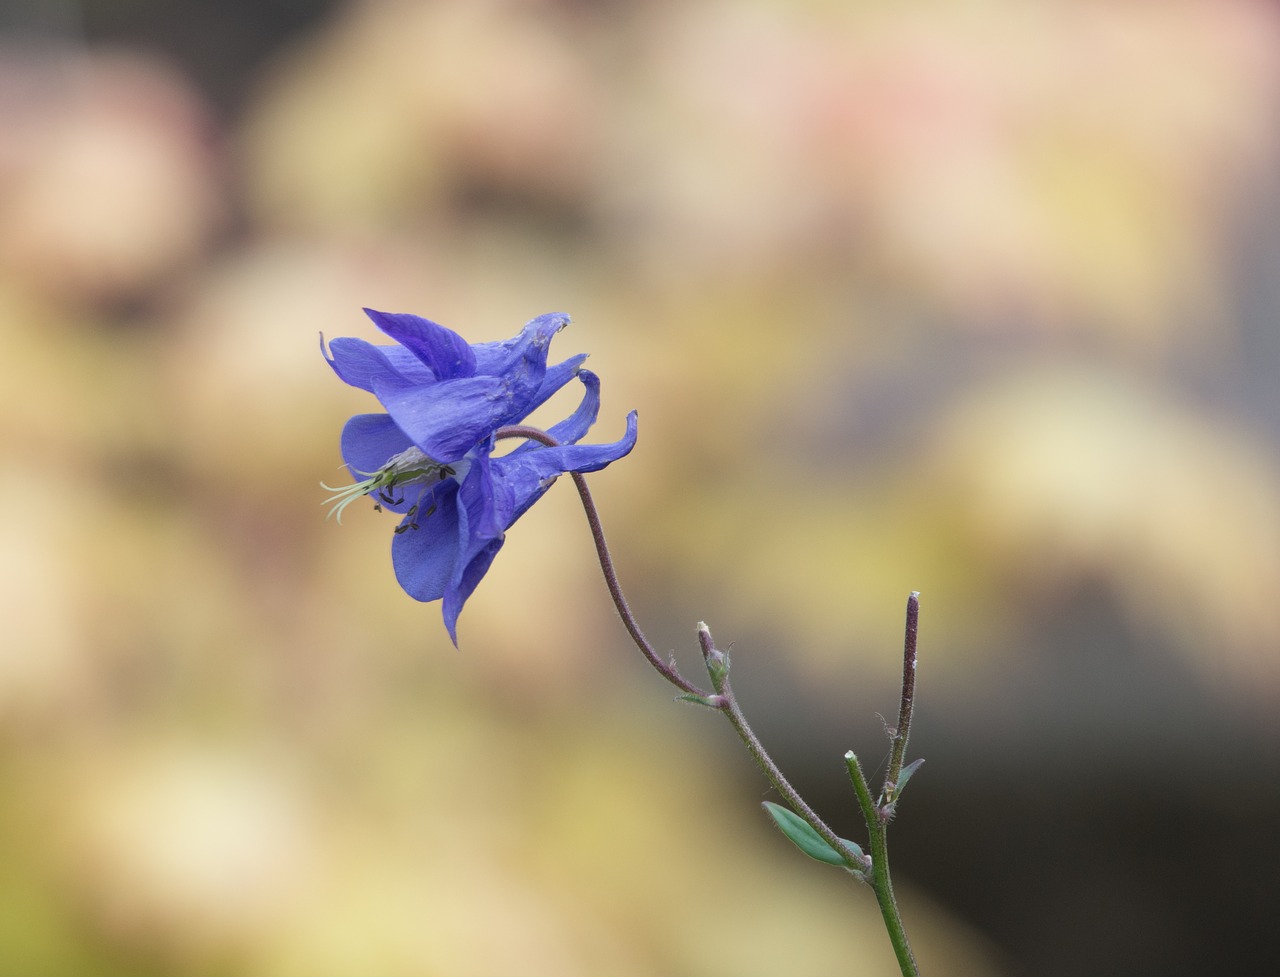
(947, 296)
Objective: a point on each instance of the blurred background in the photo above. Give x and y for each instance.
(973, 297)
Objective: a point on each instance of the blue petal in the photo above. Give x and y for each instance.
(457, 593)
(369, 441)
(522, 362)
(424, 557)
(555, 378)
(447, 354)
(485, 503)
(446, 419)
(357, 362)
(528, 474)
(485, 507)
(408, 365)
(574, 427)
(493, 359)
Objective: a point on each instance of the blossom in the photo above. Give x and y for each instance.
(430, 456)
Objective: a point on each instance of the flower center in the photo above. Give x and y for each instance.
(412, 466)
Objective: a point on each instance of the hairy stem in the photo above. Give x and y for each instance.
(724, 700)
(727, 703)
(877, 825)
(902, 731)
(876, 869)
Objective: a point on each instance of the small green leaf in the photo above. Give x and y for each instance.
(905, 775)
(717, 667)
(800, 834)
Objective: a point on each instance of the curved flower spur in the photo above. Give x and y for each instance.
(430, 456)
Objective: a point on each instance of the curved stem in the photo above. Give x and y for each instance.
(667, 671)
(724, 701)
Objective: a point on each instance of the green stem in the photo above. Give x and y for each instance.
(877, 823)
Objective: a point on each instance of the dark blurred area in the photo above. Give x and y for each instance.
(971, 297)
(220, 46)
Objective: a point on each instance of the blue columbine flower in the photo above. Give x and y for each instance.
(430, 456)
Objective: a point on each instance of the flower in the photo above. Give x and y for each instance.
(430, 456)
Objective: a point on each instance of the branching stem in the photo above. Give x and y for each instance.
(877, 826)
(876, 869)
